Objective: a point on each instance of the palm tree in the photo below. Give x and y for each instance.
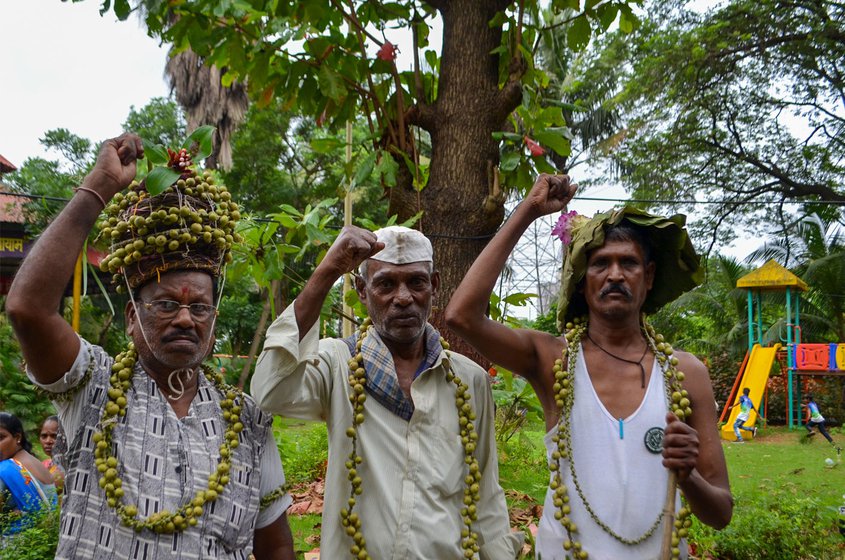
(714, 315)
(199, 90)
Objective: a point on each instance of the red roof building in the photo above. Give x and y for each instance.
(6, 166)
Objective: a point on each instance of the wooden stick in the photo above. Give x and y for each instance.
(669, 516)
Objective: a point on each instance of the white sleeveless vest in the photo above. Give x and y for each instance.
(624, 483)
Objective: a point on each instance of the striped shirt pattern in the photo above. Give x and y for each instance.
(163, 462)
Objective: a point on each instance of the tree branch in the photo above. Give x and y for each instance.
(424, 116)
(791, 187)
(507, 99)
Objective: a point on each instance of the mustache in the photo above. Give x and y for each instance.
(616, 288)
(181, 335)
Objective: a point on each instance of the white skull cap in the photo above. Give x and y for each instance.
(403, 245)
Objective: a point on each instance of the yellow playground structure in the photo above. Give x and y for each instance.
(753, 375)
(796, 360)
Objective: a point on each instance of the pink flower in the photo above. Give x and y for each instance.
(563, 228)
(534, 147)
(387, 51)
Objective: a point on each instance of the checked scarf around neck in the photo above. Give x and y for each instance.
(382, 383)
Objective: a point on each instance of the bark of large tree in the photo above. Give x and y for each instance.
(470, 106)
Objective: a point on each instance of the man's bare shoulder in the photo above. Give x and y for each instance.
(545, 342)
(690, 365)
(696, 377)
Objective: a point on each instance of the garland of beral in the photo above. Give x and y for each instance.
(187, 515)
(472, 487)
(565, 399)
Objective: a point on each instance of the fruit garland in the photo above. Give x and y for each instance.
(469, 438)
(565, 397)
(107, 464)
(191, 218)
(192, 212)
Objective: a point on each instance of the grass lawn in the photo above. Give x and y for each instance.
(777, 458)
(785, 495)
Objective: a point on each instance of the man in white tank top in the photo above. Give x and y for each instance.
(608, 388)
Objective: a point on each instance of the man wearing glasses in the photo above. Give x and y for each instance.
(163, 459)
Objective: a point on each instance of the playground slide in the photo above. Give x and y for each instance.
(754, 378)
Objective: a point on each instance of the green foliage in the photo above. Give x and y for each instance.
(712, 319)
(154, 170)
(284, 246)
(537, 123)
(97, 324)
(516, 404)
(288, 175)
(499, 307)
(317, 58)
(35, 543)
(522, 462)
(17, 393)
(279, 158)
(548, 321)
(74, 149)
(239, 312)
(304, 449)
(780, 524)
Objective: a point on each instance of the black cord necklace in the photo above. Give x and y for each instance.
(627, 361)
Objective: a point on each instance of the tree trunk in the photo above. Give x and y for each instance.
(464, 152)
(259, 334)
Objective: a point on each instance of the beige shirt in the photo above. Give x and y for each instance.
(413, 472)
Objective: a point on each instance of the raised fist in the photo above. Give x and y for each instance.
(550, 194)
(353, 246)
(115, 166)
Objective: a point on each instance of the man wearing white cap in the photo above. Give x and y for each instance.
(412, 468)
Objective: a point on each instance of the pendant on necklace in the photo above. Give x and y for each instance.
(654, 439)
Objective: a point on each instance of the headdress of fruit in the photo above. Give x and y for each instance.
(185, 221)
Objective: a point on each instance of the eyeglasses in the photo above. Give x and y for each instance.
(167, 309)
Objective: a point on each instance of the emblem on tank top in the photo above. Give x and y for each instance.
(654, 439)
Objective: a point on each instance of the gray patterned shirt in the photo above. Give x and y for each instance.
(164, 461)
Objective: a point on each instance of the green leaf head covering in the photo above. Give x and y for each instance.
(678, 268)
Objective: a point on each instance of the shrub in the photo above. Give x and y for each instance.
(17, 393)
(779, 525)
(304, 449)
(35, 543)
